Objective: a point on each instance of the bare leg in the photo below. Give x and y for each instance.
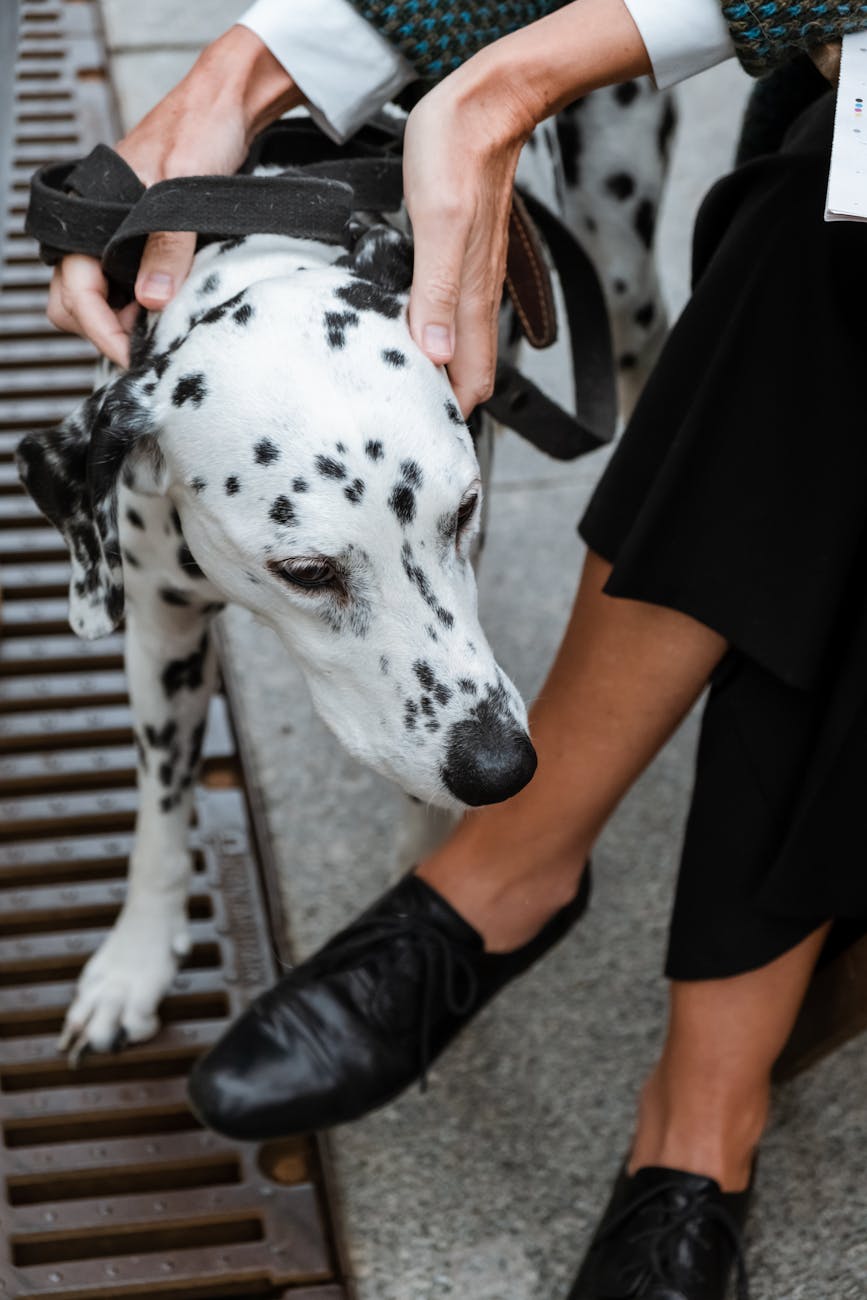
(624, 677)
(706, 1103)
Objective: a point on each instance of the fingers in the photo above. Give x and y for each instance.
(440, 240)
(77, 303)
(164, 266)
(473, 368)
(455, 300)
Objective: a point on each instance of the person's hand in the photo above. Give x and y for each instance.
(460, 154)
(202, 127)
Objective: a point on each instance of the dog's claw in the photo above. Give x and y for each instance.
(80, 1049)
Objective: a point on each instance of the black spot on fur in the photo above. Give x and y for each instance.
(189, 388)
(619, 286)
(114, 603)
(427, 707)
(425, 674)
(354, 491)
(187, 563)
(232, 485)
(336, 324)
(591, 224)
(172, 597)
(373, 449)
(330, 468)
(282, 511)
(161, 362)
(235, 242)
(666, 128)
(300, 485)
(453, 413)
(410, 715)
(266, 452)
(411, 473)
(130, 559)
(419, 580)
(621, 185)
(383, 665)
(162, 738)
(645, 222)
(402, 502)
(211, 284)
(186, 674)
(135, 518)
(645, 314)
(381, 254)
(362, 295)
(220, 309)
(569, 135)
(340, 447)
(467, 686)
(393, 357)
(198, 485)
(198, 735)
(626, 93)
(166, 773)
(628, 361)
(243, 314)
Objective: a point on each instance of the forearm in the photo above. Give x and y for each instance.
(523, 78)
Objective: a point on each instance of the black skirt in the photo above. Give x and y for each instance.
(738, 495)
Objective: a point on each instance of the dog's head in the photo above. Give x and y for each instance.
(325, 479)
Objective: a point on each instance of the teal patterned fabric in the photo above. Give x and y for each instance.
(437, 36)
(769, 32)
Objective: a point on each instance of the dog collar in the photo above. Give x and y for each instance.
(98, 206)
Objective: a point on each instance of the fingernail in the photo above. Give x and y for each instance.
(157, 284)
(437, 341)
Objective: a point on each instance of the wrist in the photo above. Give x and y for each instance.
(239, 69)
(539, 69)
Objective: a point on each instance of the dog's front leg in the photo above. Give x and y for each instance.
(172, 671)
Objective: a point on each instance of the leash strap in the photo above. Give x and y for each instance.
(98, 206)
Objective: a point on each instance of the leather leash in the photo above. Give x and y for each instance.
(98, 206)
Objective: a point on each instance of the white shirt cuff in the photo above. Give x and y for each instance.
(682, 37)
(341, 64)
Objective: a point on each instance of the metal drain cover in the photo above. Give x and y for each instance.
(110, 1188)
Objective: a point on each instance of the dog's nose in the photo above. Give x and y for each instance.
(489, 758)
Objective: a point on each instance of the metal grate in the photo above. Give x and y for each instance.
(109, 1187)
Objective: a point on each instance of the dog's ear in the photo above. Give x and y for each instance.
(71, 472)
(382, 254)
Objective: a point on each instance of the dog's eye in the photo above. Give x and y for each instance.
(466, 510)
(307, 573)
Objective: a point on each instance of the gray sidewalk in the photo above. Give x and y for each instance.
(487, 1188)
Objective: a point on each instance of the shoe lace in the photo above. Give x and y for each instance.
(439, 959)
(677, 1216)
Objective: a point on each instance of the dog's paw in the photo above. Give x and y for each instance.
(122, 985)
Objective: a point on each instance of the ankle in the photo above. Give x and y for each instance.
(506, 892)
(701, 1126)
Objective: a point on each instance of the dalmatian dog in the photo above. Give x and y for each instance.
(279, 441)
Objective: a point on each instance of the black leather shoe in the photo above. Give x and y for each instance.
(666, 1235)
(361, 1020)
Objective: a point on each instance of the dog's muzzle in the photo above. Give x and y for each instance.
(489, 759)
